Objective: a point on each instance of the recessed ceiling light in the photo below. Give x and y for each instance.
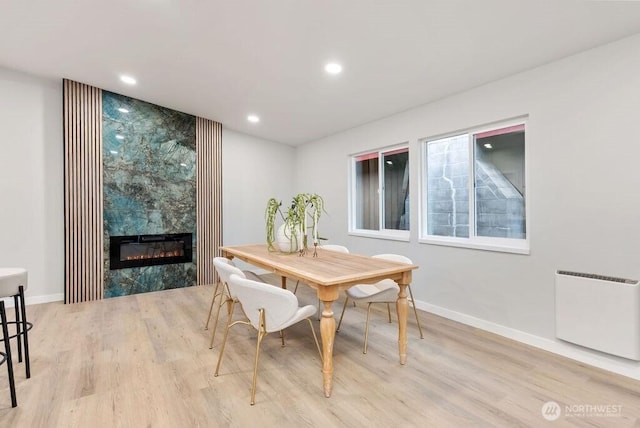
(183, 164)
(253, 118)
(123, 110)
(389, 162)
(113, 152)
(120, 137)
(333, 68)
(128, 80)
(488, 146)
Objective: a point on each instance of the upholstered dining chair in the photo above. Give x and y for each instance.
(385, 291)
(268, 309)
(224, 268)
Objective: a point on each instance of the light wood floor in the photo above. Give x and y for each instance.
(144, 361)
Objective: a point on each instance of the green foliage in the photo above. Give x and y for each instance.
(303, 206)
(273, 207)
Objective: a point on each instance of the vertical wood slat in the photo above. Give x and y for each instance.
(84, 270)
(208, 197)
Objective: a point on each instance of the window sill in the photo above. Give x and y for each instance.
(521, 247)
(392, 235)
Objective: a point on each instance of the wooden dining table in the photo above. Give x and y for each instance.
(328, 272)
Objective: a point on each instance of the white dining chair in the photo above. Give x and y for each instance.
(224, 268)
(385, 291)
(268, 309)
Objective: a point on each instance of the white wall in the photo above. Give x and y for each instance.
(253, 170)
(583, 188)
(31, 182)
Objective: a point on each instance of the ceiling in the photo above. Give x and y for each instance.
(225, 59)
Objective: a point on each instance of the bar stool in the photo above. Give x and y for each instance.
(13, 283)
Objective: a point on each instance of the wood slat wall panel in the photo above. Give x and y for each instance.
(209, 197)
(84, 268)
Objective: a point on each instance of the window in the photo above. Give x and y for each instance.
(474, 189)
(380, 194)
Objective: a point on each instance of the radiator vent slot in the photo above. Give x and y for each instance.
(599, 312)
(600, 277)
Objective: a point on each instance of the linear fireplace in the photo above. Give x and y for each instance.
(149, 250)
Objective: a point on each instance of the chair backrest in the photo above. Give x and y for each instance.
(279, 304)
(336, 248)
(225, 269)
(394, 258)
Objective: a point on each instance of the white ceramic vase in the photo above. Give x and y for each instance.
(284, 242)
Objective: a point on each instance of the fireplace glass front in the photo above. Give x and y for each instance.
(149, 250)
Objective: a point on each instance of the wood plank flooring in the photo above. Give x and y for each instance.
(144, 361)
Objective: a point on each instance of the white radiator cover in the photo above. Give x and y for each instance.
(599, 312)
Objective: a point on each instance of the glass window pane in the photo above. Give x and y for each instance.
(500, 183)
(448, 187)
(396, 189)
(367, 202)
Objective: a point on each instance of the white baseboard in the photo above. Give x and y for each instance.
(603, 361)
(34, 300)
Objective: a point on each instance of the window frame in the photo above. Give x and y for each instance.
(382, 232)
(507, 245)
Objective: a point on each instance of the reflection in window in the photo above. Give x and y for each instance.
(500, 183)
(475, 186)
(381, 184)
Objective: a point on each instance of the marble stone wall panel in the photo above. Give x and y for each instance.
(149, 186)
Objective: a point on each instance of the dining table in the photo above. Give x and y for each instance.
(329, 272)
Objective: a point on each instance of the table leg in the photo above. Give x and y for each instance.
(283, 282)
(328, 333)
(402, 307)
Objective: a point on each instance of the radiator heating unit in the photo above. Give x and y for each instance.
(599, 312)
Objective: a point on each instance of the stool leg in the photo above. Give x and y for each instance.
(26, 333)
(17, 312)
(7, 346)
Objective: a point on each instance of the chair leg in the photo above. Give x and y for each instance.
(315, 337)
(215, 323)
(366, 330)
(296, 289)
(224, 341)
(342, 314)
(261, 333)
(213, 299)
(282, 337)
(16, 309)
(389, 311)
(415, 311)
(26, 333)
(7, 346)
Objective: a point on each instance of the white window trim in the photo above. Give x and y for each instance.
(389, 234)
(382, 233)
(505, 245)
